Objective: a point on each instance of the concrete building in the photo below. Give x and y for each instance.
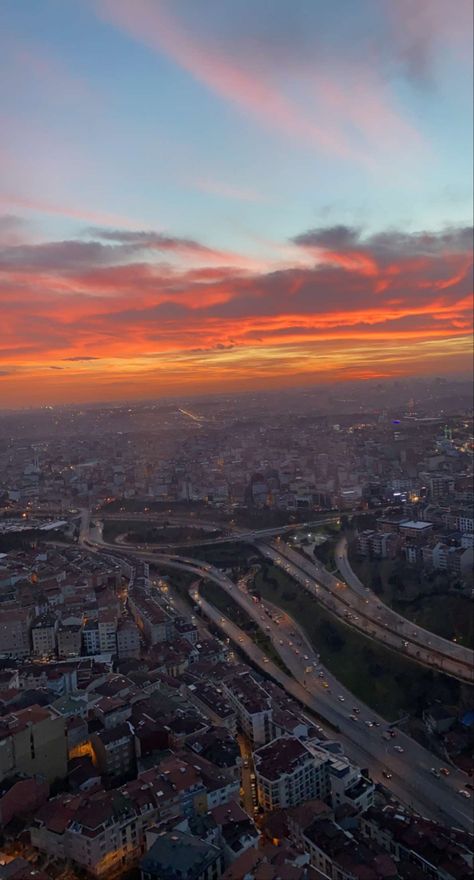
(15, 632)
(107, 631)
(151, 619)
(253, 708)
(114, 751)
(69, 640)
(33, 742)
(43, 636)
(176, 854)
(128, 640)
(288, 774)
(90, 637)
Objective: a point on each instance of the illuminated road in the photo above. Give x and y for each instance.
(412, 780)
(367, 614)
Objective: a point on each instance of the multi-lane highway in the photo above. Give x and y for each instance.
(363, 610)
(358, 606)
(411, 767)
(366, 738)
(364, 735)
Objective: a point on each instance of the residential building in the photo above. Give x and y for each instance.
(176, 854)
(91, 638)
(69, 640)
(43, 636)
(288, 773)
(15, 632)
(128, 640)
(253, 708)
(114, 751)
(33, 742)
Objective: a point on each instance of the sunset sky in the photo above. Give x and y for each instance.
(213, 195)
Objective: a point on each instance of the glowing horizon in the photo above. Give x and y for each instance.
(202, 203)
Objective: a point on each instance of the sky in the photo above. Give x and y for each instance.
(224, 195)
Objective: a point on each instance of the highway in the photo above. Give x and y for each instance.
(365, 612)
(411, 779)
(358, 606)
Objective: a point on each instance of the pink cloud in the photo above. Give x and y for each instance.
(318, 120)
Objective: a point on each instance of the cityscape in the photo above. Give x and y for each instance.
(236, 440)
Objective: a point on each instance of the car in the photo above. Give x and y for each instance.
(464, 793)
(252, 777)
(369, 723)
(266, 660)
(386, 774)
(435, 772)
(241, 639)
(246, 763)
(325, 684)
(356, 710)
(320, 674)
(399, 749)
(393, 733)
(340, 698)
(353, 717)
(444, 771)
(305, 657)
(290, 644)
(281, 642)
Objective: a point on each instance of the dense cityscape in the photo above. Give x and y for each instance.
(236, 440)
(236, 636)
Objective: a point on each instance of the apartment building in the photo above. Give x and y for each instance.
(15, 632)
(102, 833)
(288, 774)
(107, 631)
(253, 707)
(33, 742)
(43, 636)
(151, 619)
(128, 640)
(114, 751)
(69, 640)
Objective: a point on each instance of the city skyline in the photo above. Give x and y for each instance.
(244, 196)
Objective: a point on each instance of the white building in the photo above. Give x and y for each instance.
(253, 708)
(288, 774)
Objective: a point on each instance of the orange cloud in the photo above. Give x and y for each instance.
(390, 304)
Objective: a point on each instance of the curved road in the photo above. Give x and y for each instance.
(365, 612)
(411, 768)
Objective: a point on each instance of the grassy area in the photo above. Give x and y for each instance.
(389, 683)
(429, 599)
(226, 605)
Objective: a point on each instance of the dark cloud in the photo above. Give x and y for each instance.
(146, 240)
(392, 241)
(82, 358)
(329, 237)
